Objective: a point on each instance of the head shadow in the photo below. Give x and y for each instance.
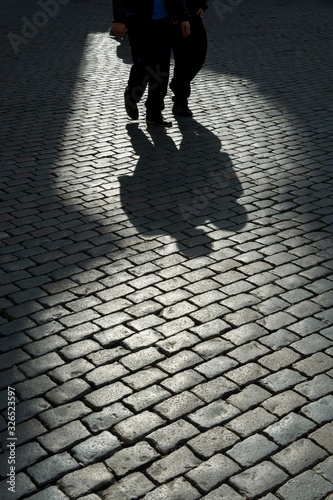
(185, 192)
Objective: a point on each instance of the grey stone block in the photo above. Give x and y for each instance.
(172, 435)
(30, 408)
(317, 363)
(64, 437)
(107, 395)
(212, 348)
(324, 437)
(319, 386)
(213, 472)
(142, 358)
(179, 405)
(289, 428)
(250, 422)
(132, 486)
(86, 480)
(124, 461)
(68, 391)
(138, 426)
(144, 378)
(23, 487)
(216, 366)
(181, 361)
(146, 398)
(61, 415)
(247, 373)
(213, 414)
(52, 468)
(284, 403)
(249, 352)
(173, 465)
(25, 456)
(280, 359)
(106, 418)
(217, 388)
(320, 411)
(29, 431)
(50, 492)
(214, 440)
(76, 368)
(224, 492)
(252, 450)
(259, 479)
(96, 448)
(105, 374)
(249, 397)
(282, 380)
(182, 381)
(298, 456)
(174, 490)
(325, 469)
(308, 486)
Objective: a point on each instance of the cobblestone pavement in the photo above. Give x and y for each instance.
(166, 296)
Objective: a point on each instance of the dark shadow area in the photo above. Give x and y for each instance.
(177, 191)
(282, 49)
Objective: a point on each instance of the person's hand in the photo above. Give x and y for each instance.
(186, 28)
(119, 29)
(200, 12)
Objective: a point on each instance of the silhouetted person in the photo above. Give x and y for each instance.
(189, 55)
(147, 23)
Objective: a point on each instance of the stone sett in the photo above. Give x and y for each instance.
(173, 490)
(52, 468)
(259, 479)
(252, 450)
(138, 426)
(173, 465)
(171, 436)
(55, 417)
(107, 395)
(214, 440)
(308, 486)
(213, 414)
(323, 437)
(289, 428)
(95, 448)
(68, 391)
(217, 388)
(299, 456)
(64, 437)
(213, 472)
(86, 480)
(179, 405)
(127, 460)
(132, 486)
(182, 381)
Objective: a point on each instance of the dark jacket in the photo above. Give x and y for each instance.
(143, 9)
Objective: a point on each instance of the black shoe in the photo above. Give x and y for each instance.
(157, 119)
(181, 110)
(131, 106)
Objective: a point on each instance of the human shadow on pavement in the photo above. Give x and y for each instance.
(184, 192)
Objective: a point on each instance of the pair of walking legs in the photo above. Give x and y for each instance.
(150, 48)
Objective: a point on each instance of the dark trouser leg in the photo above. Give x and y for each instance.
(189, 54)
(160, 64)
(150, 49)
(139, 43)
